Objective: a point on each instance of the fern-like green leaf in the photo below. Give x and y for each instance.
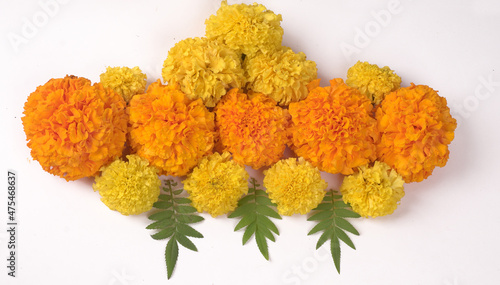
(172, 222)
(253, 211)
(331, 217)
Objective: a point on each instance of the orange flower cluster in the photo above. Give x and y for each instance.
(74, 128)
(170, 130)
(253, 130)
(416, 128)
(332, 128)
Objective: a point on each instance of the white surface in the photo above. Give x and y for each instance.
(444, 232)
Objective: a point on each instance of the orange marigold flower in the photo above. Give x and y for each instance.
(416, 128)
(332, 128)
(74, 128)
(253, 130)
(170, 130)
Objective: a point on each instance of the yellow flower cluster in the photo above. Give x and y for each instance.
(282, 75)
(125, 81)
(204, 69)
(373, 191)
(169, 130)
(373, 81)
(216, 184)
(129, 187)
(247, 29)
(295, 186)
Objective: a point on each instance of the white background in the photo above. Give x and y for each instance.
(445, 232)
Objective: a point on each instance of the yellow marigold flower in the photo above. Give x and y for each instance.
(245, 28)
(74, 128)
(416, 128)
(124, 80)
(295, 186)
(253, 130)
(216, 184)
(373, 191)
(282, 75)
(373, 81)
(129, 187)
(332, 128)
(170, 130)
(204, 69)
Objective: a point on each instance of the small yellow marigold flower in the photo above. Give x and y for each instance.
(416, 128)
(282, 75)
(373, 81)
(170, 130)
(373, 191)
(246, 28)
(129, 187)
(295, 186)
(216, 184)
(124, 80)
(204, 69)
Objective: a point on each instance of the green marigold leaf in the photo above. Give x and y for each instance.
(171, 254)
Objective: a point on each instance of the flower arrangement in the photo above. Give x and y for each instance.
(232, 99)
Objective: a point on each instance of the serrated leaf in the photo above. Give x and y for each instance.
(182, 201)
(326, 235)
(162, 204)
(249, 231)
(178, 192)
(163, 234)
(320, 215)
(321, 226)
(268, 223)
(188, 231)
(340, 204)
(164, 197)
(265, 210)
(161, 224)
(259, 192)
(265, 231)
(242, 210)
(323, 207)
(262, 244)
(171, 254)
(167, 214)
(345, 213)
(245, 221)
(335, 250)
(189, 219)
(263, 200)
(182, 209)
(344, 237)
(185, 242)
(245, 200)
(344, 224)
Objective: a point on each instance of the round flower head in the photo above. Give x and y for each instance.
(416, 128)
(204, 69)
(373, 191)
(373, 81)
(129, 187)
(124, 80)
(170, 130)
(245, 28)
(216, 184)
(332, 128)
(253, 130)
(282, 75)
(295, 186)
(74, 128)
